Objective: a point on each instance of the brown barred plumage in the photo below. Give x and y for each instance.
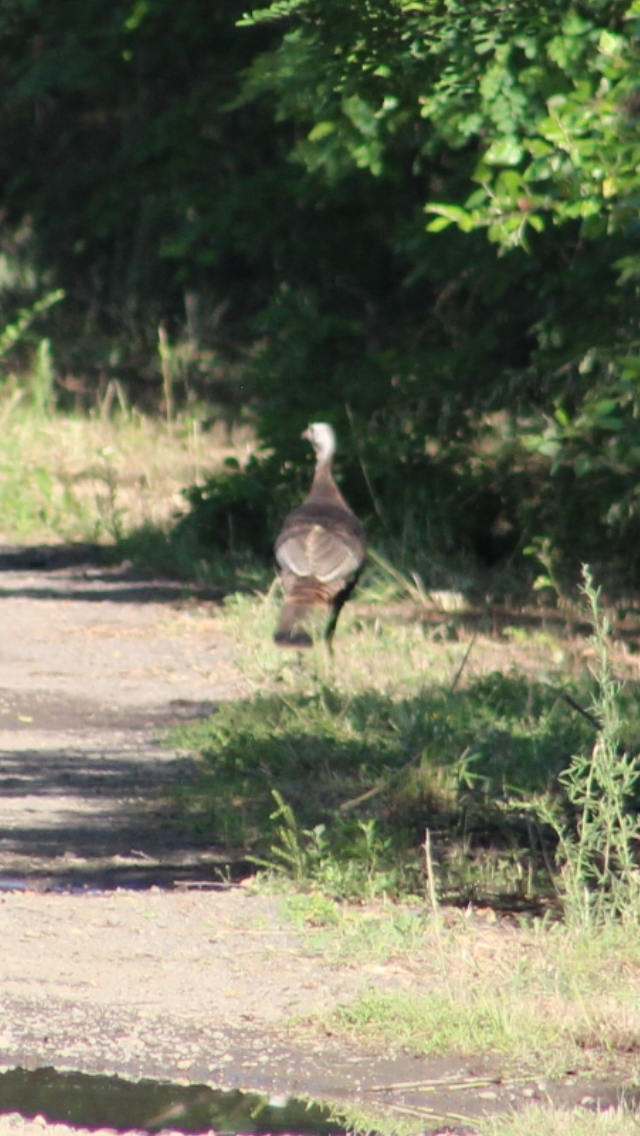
(320, 550)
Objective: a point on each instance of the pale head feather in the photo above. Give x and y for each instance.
(323, 440)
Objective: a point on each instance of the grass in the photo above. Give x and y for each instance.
(403, 734)
(537, 996)
(111, 480)
(532, 1120)
(533, 994)
(600, 878)
(364, 773)
(543, 1120)
(436, 717)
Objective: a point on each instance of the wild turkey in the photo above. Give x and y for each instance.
(320, 550)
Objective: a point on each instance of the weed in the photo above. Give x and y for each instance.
(600, 878)
(541, 548)
(175, 361)
(350, 861)
(14, 333)
(110, 513)
(401, 583)
(312, 910)
(43, 380)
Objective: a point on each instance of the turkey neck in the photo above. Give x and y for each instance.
(323, 488)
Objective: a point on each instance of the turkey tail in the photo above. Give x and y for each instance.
(288, 633)
(303, 596)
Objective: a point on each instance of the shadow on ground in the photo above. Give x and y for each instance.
(85, 807)
(91, 579)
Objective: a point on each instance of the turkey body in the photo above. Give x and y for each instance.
(320, 550)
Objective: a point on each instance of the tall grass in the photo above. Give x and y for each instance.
(117, 479)
(600, 877)
(406, 732)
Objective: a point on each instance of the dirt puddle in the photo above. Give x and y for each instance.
(149, 1106)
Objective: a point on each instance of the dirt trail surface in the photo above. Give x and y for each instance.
(119, 953)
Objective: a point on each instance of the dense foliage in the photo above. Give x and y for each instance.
(416, 218)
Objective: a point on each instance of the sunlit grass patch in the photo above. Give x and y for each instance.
(439, 1023)
(538, 996)
(334, 772)
(531, 1119)
(544, 1120)
(89, 478)
(534, 999)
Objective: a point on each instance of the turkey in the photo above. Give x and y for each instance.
(320, 550)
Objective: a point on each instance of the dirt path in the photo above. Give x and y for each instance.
(118, 952)
(94, 667)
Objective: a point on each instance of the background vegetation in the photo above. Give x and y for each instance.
(285, 215)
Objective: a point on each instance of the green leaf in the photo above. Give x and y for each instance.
(508, 184)
(138, 13)
(321, 130)
(610, 44)
(454, 213)
(595, 227)
(550, 449)
(587, 207)
(276, 11)
(439, 224)
(504, 152)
